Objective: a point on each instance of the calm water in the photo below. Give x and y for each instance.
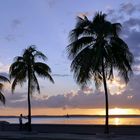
(79, 120)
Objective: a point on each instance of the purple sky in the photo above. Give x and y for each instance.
(46, 24)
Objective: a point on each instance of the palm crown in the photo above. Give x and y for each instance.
(94, 41)
(26, 66)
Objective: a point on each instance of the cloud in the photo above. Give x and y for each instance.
(12, 35)
(110, 12)
(51, 3)
(130, 26)
(4, 74)
(125, 10)
(87, 90)
(129, 98)
(16, 23)
(82, 14)
(86, 98)
(132, 22)
(128, 8)
(131, 35)
(61, 75)
(4, 68)
(16, 100)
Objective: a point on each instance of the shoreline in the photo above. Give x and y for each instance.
(74, 116)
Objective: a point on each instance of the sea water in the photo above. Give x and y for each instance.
(77, 120)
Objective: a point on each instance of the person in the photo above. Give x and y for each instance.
(20, 122)
(67, 116)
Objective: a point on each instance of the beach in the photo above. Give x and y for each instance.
(63, 136)
(74, 129)
(69, 132)
(62, 128)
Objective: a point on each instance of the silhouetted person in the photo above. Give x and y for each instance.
(67, 116)
(20, 122)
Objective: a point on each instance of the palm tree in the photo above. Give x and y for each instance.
(95, 50)
(3, 79)
(25, 68)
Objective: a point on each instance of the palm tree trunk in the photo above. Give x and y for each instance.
(106, 98)
(29, 104)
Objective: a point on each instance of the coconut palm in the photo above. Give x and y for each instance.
(25, 68)
(2, 79)
(95, 50)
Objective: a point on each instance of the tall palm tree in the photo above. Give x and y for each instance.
(25, 68)
(2, 79)
(95, 50)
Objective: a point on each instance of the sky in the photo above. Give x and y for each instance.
(46, 24)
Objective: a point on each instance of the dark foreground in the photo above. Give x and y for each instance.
(61, 136)
(69, 132)
(74, 128)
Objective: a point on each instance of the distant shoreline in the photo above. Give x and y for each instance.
(82, 116)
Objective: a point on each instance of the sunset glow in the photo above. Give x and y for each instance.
(120, 111)
(116, 86)
(60, 111)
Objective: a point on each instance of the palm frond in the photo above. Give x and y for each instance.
(42, 66)
(34, 83)
(46, 75)
(20, 78)
(78, 45)
(17, 67)
(99, 18)
(82, 66)
(2, 98)
(1, 86)
(43, 70)
(18, 59)
(116, 28)
(4, 79)
(82, 28)
(39, 54)
(122, 57)
(98, 78)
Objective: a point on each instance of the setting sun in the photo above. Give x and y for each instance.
(121, 111)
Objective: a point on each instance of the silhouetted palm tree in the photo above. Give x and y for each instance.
(95, 50)
(25, 68)
(2, 79)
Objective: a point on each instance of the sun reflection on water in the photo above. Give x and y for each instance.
(116, 121)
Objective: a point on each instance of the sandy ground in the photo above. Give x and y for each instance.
(76, 129)
(69, 132)
(60, 136)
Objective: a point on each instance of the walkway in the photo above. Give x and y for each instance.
(7, 135)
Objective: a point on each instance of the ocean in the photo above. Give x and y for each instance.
(125, 120)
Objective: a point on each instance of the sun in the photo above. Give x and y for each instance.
(120, 111)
